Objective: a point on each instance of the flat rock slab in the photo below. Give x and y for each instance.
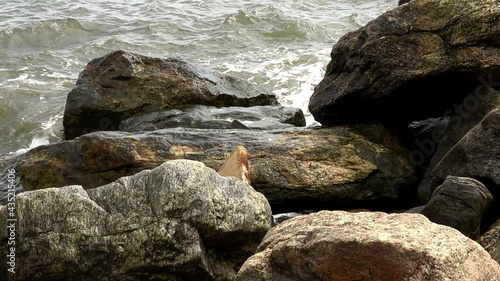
(210, 117)
(367, 246)
(334, 165)
(411, 63)
(122, 84)
(179, 221)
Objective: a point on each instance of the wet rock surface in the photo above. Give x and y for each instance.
(209, 117)
(123, 84)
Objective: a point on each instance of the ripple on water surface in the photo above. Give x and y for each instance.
(45, 44)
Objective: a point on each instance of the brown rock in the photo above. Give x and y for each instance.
(336, 165)
(411, 63)
(344, 246)
(123, 84)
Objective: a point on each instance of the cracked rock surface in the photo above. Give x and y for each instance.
(336, 164)
(123, 84)
(179, 221)
(367, 246)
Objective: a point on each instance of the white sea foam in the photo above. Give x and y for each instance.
(282, 46)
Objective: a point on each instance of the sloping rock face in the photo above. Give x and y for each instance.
(491, 241)
(476, 155)
(122, 84)
(459, 203)
(334, 165)
(179, 221)
(367, 246)
(410, 64)
(209, 117)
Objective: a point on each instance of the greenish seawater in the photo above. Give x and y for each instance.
(283, 45)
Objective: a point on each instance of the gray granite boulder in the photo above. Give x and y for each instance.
(411, 63)
(179, 221)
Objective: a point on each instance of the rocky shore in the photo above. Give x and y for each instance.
(401, 181)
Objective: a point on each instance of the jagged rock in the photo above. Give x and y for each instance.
(401, 2)
(411, 63)
(491, 241)
(237, 165)
(294, 166)
(123, 84)
(367, 246)
(459, 203)
(179, 221)
(209, 117)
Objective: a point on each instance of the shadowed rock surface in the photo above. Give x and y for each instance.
(122, 84)
(179, 221)
(367, 246)
(209, 117)
(335, 165)
(411, 63)
(461, 118)
(476, 155)
(491, 241)
(459, 203)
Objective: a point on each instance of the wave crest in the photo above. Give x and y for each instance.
(46, 33)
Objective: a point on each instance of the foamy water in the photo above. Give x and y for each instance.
(284, 46)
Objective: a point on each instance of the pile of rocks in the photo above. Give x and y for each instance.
(410, 114)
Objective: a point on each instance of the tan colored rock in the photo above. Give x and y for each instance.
(336, 165)
(237, 165)
(343, 246)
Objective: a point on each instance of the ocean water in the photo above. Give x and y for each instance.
(282, 45)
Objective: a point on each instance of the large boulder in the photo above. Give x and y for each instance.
(491, 241)
(179, 221)
(411, 63)
(367, 246)
(122, 84)
(210, 117)
(476, 155)
(459, 203)
(298, 166)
